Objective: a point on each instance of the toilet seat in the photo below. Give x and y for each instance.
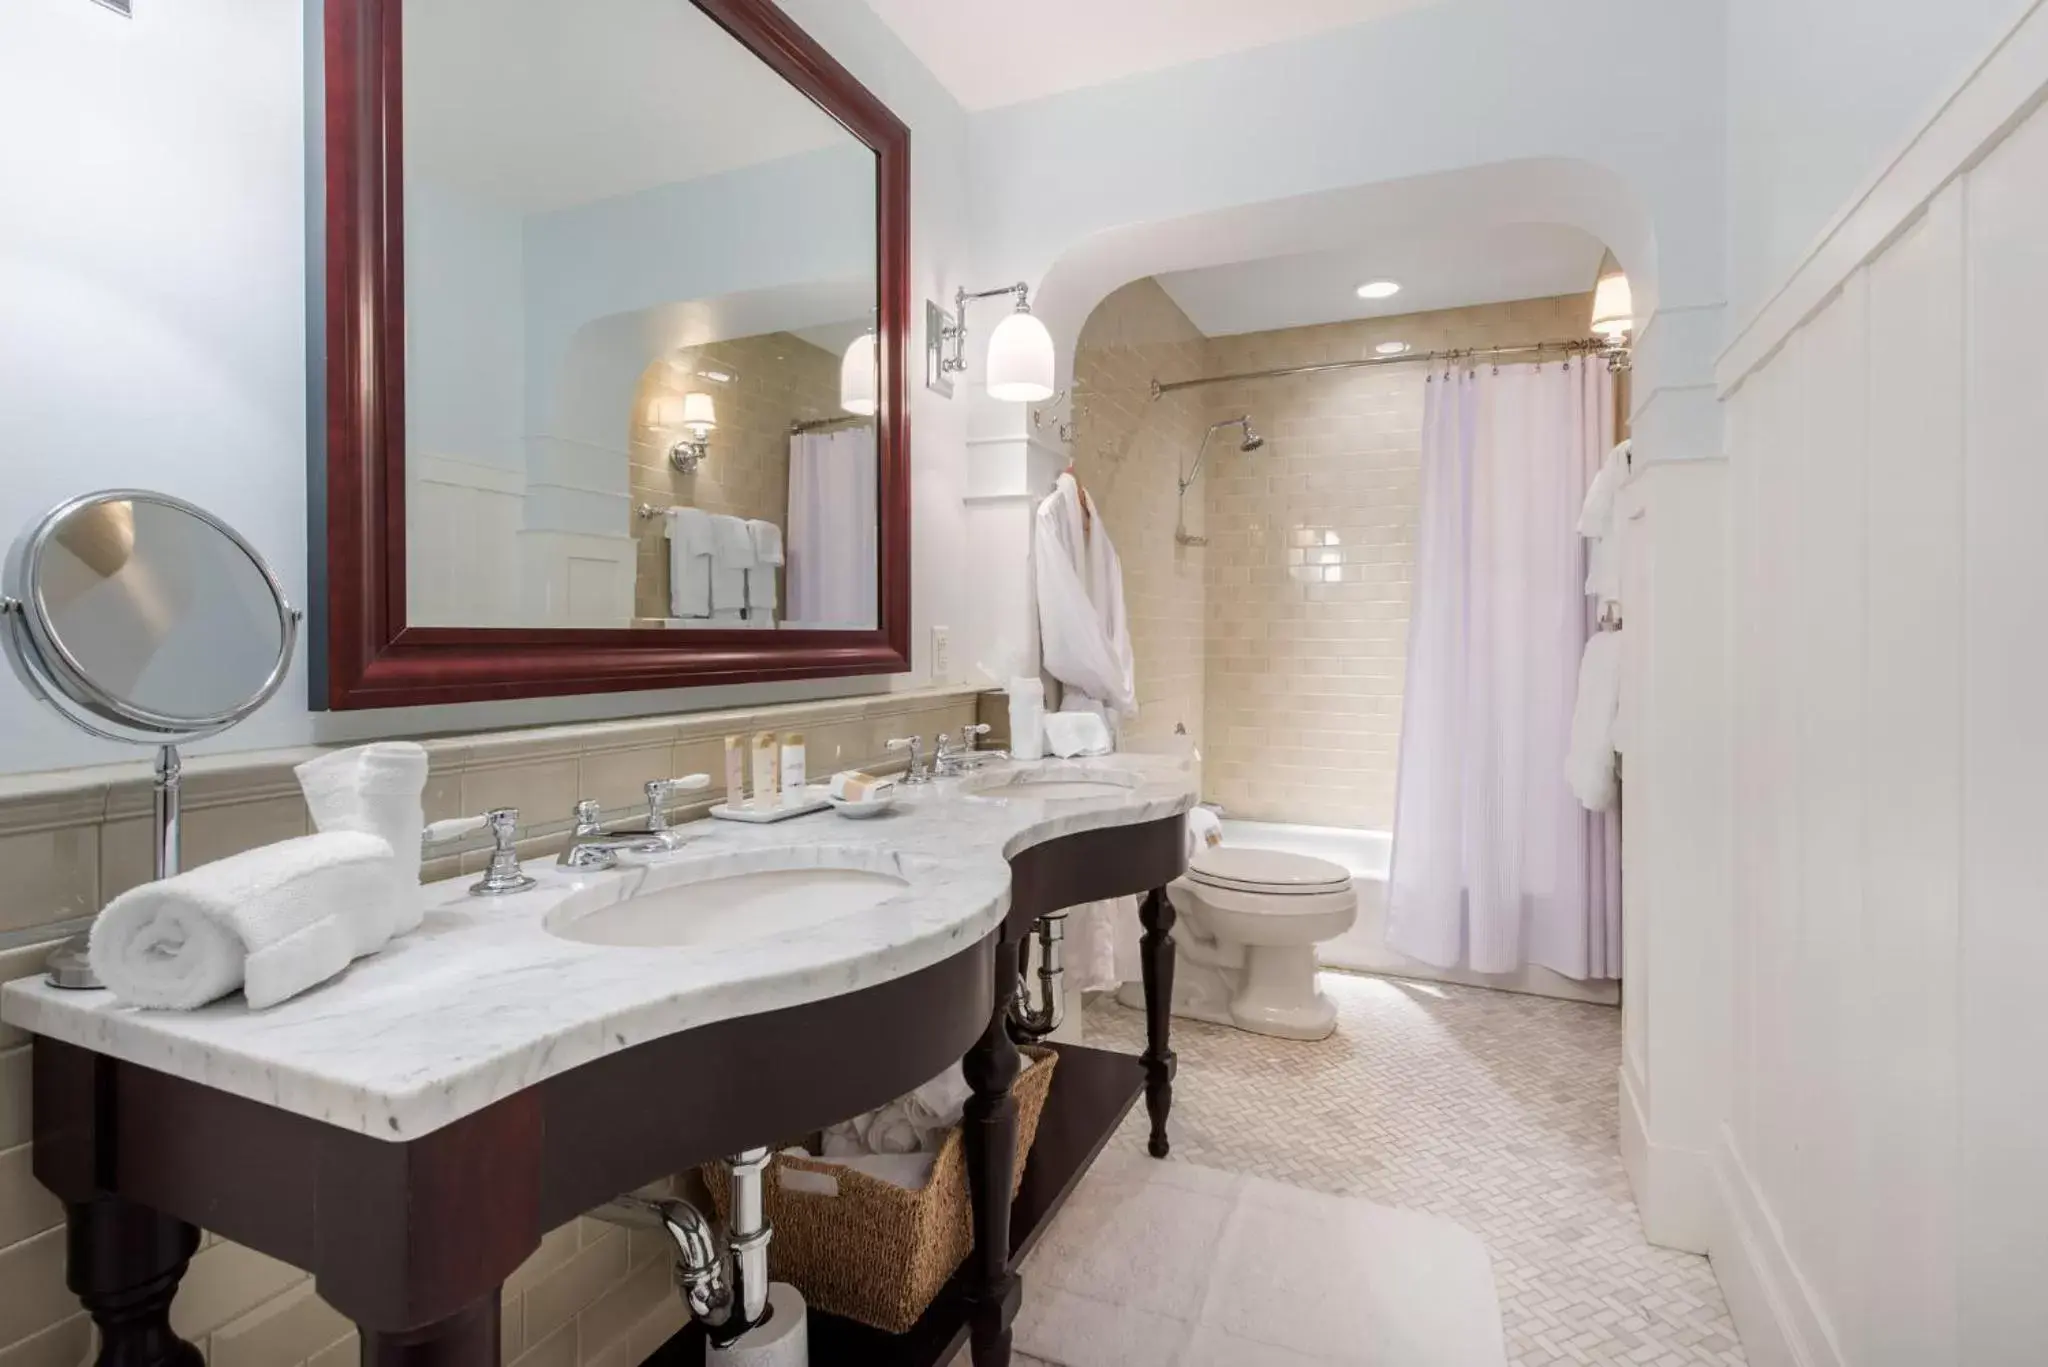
(1269, 873)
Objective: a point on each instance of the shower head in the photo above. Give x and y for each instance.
(1252, 440)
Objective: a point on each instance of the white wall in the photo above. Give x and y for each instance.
(1882, 1199)
(152, 260)
(1821, 94)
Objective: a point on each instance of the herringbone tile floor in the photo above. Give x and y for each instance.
(1490, 1109)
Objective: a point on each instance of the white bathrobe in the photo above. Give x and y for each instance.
(1085, 643)
(1084, 635)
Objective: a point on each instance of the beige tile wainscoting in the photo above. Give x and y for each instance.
(590, 1296)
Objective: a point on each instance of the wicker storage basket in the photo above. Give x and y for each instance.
(878, 1253)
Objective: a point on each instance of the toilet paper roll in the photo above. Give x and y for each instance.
(782, 1341)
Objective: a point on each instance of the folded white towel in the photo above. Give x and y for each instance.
(1589, 758)
(689, 562)
(273, 921)
(732, 555)
(1068, 734)
(767, 541)
(376, 790)
(917, 1123)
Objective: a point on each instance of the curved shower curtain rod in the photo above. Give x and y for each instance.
(1617, 359)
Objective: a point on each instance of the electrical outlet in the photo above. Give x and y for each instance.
(942, 655)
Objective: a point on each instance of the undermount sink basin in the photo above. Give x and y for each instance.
(731, 898)
(1072, 782)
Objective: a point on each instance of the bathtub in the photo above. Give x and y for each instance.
(1363, 948)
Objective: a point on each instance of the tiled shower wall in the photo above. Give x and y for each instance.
(777, 378)
(1311, 558)
(1282, 645)
(1127, 449)
(590, 1296)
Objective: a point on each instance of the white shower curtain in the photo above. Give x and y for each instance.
(832, 555)
(1495, 865)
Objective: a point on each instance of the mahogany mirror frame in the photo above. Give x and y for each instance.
(363, 654)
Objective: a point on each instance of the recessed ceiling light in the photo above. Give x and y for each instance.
(717, 376)
(1378, 289)
(1391, 348)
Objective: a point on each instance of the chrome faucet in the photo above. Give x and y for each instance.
(590, 848)
(503, 875)
(960, 759)
(919, 771)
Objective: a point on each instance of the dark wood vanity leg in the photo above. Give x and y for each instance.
(1156, 914)
(124, 1261)
(467, 1338)
(989, 1129)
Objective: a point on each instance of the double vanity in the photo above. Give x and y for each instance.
(409, 1131)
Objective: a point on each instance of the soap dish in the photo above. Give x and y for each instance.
(815, 798)
(865, 807)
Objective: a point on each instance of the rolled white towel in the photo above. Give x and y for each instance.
(375, 790)
(273, 921)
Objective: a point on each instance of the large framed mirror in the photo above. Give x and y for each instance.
(616, 310)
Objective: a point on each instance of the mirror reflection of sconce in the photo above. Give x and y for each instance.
(859, 386)
(1020, 351)
(696, 416)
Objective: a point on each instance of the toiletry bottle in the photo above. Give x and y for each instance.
(735, 772)
(793, 778)
(764, 770)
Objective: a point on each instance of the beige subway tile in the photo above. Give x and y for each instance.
(556, 1350)
(52, 875)
(286, 1328)
(557, 1246)
(545, 790)
(343, 1352)
(32, 1292)
(555, 1299)
(617, 778)
(614, 1314)
(15, 1069)
(26, 1206)
(641, 1340)
(224, 1281)
(64, 1344)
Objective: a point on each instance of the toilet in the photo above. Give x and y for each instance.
(1249, 923)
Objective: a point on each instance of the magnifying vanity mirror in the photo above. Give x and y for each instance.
(143, 619)
(617, 304)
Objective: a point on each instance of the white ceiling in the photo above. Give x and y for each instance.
(1441, 269)
(538, 105)
(997, 52)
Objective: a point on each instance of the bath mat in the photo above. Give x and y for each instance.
(1164, 1264)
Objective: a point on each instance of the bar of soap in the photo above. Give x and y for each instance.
(851, 785)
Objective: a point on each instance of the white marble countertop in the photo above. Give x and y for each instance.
(482, 1001)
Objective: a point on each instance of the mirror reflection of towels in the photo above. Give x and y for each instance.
(689, 562)
(732, 555)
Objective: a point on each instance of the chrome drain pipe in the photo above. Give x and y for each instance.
(727, 1302)
(1038, 1022)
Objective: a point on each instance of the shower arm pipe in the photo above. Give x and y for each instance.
(1187, 481)
(1617, 358)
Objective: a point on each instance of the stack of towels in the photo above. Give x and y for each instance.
(722, 568)
(275, 921)
(900, 1142)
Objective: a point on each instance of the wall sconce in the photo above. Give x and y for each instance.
(1020, 354)
(1613, 307)
(859, 386)
(695, 414)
